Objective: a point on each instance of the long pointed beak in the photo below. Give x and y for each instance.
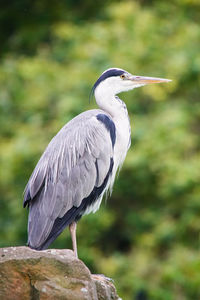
(148, 80)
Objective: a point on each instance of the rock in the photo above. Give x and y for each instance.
(49, 274)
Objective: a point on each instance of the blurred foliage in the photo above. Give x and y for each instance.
(147, 236)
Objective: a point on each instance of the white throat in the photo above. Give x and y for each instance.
(105, 99)
(106, 91)
(108, 103)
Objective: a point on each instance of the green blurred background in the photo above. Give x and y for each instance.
(147, 236)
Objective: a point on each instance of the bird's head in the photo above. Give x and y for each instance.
(115, 81)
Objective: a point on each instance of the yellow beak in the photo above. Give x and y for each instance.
(147, 80)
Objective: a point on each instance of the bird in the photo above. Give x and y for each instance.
(80, 163)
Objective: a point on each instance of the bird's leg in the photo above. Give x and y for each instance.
(72, 229)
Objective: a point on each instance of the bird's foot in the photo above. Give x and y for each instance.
(102, 277)
(75, 254)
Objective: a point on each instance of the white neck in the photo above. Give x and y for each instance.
(106, 101)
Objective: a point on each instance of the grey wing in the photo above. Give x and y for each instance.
(72, 172)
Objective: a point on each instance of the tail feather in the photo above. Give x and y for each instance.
(59, 225)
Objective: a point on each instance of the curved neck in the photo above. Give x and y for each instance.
(106, 100)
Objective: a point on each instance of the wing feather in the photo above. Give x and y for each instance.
(76, 160)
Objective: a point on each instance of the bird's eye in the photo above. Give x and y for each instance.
(122, 76)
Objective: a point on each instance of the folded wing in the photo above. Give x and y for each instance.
(71, 175)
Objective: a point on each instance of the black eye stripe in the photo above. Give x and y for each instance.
(107, 74)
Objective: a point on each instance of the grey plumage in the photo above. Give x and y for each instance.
(76, 160)
(80, 162)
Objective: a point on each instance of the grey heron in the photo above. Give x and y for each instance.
(80, 163)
